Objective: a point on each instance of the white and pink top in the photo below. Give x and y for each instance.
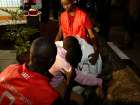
(82, 76)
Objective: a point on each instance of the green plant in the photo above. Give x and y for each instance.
(18, 34)
(15, 14)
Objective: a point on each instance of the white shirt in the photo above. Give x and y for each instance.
(85, 65)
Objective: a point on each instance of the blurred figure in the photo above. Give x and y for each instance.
(74, 21)
(18, 82)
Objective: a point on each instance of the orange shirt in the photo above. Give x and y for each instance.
(75, 25)
(20, 86)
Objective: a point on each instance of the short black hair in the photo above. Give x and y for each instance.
(73, 56)
(74, 52)
(70, 42)
(43, 53)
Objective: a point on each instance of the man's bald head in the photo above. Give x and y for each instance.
(42, 53)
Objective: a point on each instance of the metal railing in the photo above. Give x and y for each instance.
(10, 3)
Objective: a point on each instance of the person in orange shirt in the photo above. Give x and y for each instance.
(29, 84)
(74, 21)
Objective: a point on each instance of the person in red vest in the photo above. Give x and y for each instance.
(74, 21)
(29, 84)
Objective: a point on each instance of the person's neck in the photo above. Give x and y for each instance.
(41, 70)
(72, 12)
(36, 68)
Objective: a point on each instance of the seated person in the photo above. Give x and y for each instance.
(29, 84)
(68, 56)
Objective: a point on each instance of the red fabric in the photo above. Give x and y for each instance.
(78, 26)
(33, 1)
(30, 1)
(25, 87)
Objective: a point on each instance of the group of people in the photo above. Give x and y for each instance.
(73, 60)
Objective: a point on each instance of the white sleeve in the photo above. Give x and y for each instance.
(60, 63)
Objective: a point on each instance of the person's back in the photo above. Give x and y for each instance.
(29, 84)
(18, 86)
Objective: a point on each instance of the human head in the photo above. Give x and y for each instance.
(70, 42)
(73, 56)
(67, 4)
(74, 52)
(42, 53)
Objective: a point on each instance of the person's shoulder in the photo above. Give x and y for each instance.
(63, 13)
(12, 66)
(10, 71)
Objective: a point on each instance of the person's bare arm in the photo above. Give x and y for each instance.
(59, 35)
(94, 41)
